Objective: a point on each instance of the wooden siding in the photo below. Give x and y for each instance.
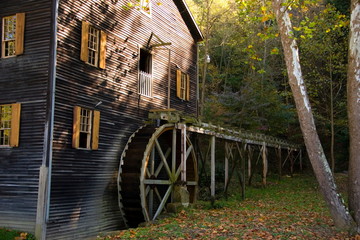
(24, 79)
(84, 191)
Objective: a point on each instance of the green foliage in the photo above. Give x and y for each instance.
(7, 234)
(324, 65)
(246, 80)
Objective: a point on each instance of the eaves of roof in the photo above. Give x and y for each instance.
(189, 20)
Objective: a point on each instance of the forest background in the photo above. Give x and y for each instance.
(243, 77)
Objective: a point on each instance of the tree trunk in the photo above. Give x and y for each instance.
(332, 120)
(339, 213)
(353, 96)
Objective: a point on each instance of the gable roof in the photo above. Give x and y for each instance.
(189, 20)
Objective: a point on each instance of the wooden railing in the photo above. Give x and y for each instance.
(145, 84)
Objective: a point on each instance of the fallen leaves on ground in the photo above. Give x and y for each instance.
(290, 209)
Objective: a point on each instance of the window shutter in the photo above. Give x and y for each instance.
(15, 124)
(102, 51)
(178, 83)
(187, 98)
(76, 127)
(19, 37)
(84, 54)
(95, 131)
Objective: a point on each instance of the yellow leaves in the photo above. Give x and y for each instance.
(274, 51)
(264, 18)
(263, 9)
(23, 236)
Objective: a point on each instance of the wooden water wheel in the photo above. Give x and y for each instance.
(150, 167)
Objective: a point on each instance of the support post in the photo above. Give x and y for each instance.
(213, 167)
(249, 160)
(183, 152)
(226, 166)
(242, 169)
(291, 162)
(173, 153)
(244, 173)
(265, 164)
(301, 167)
(280, 161)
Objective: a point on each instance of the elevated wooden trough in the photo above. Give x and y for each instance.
(161, 157)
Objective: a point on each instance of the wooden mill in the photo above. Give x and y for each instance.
(77, 81)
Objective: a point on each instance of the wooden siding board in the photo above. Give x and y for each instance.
(80, 175)
(24, 79)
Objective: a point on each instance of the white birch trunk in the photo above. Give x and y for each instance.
(353, 94)
(339, 213)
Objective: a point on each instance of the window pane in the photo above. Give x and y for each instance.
(9, 30)
(85, 128)
(5, 124)
(93, 46)
(183, 86)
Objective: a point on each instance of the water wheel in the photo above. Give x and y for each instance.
(150, 167)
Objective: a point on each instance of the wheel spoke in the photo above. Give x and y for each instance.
(163, 202)
(147, 190)
(162, 156)
(157, 182)
(189, 151)
(151, 202)
(148, 174)
(158, 194)
(168, 151)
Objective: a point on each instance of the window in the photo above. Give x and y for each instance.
(182, 85)
(85, 128)
(145, 76)
(145, 6)
(10, 124)
(13, 35)
(93, 46)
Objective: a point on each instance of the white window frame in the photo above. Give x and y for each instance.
(7, 42)
(183, 87)
(85, 127)
(93, 46)
(5, 124)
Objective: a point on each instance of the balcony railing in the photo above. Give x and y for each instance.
(145, 84)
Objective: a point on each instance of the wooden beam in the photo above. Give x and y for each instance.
(242, 168)
(212, 166)
(265, 164)
(278, 151)
(226, 166)
(240, 136)
(301, 168)
(183, 151)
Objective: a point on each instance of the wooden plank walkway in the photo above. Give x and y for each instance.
(237, 142)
